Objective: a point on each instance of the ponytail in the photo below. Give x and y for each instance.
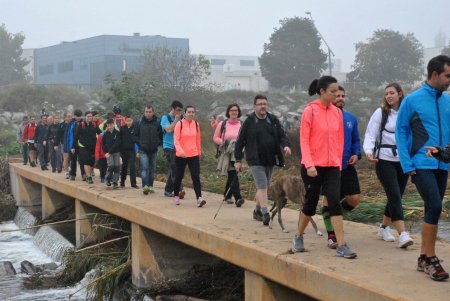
(313, 88)
(322, 83)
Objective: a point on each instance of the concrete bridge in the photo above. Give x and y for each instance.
(167, 240)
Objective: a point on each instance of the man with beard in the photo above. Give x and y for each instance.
(261, 135)
(350, 191)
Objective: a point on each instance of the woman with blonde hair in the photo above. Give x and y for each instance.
(380, 148)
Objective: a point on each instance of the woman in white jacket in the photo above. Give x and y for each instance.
(380, 148)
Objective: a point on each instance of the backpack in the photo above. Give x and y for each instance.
(379, 145)
(119, 121)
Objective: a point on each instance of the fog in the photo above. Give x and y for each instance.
(222, 27)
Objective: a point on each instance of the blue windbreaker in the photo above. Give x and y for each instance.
(423, 120)
(352, 143)
(72, 125)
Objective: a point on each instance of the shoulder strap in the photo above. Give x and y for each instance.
(223, 129)
(384, 119)
(169, 118)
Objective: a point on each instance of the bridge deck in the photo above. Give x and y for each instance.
(382, 271)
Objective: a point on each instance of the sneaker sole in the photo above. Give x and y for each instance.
(145, 192)
(333, 247)
(440, 278)
(407, 244)
(201, 204)
(297, 250)
(240, 203)
(345, 256)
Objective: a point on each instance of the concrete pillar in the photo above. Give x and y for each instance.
(156, 257)
(85, 229)
(53, 200)
(14, 183)
(30, 193)
(258, 288)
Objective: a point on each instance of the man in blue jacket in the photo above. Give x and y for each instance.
(424, 120)
(350, 190)
(74, 156)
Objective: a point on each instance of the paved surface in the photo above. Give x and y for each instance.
(381, 267)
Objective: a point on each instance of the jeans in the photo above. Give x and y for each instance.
(73, 164)
(25, 152)
(42, 154)
(113, 167)
(330, 179)
(55, 156)
(431, 185)
(394, 181)
(148, 167)
(128, 159)
(170, 156)
(234, 182)
(194, 168)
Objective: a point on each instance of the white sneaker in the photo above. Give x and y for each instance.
(67, 175)
(385, 234)
(200, 202)
(404, 240)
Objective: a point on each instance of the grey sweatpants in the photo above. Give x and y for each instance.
(113, 168)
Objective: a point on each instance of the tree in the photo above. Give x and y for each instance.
(388, 56)
(11, 65)
(440, 38)
(293, 55)
(446, 50)
(177, 73)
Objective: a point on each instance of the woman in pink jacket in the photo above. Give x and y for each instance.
(322, 144)
(188, 150)
(229, 130)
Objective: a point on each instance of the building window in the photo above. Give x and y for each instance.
(217, 62)
(249, 63)
(46, 69)
(84, 63)
(65, 67)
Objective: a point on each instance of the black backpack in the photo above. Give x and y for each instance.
(379, 145)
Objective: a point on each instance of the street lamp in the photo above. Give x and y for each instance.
(330, 52)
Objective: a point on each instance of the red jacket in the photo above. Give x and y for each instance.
(99, 154)
(28, 132)
(322, 135)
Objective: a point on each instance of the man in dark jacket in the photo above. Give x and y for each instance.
(85, 137)
(128, 152)
(41, 128)
(61, 141)
(147, 134)
(262, 136)
(50, 140)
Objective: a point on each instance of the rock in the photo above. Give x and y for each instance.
(293, 114)
(6, 268)
(214, 105)
(17, 116)
(246, 107)
(285, 108)
(50, 266)
(276, 113)
(27, 267)
(7, 115)
(217, 111)
(70, 108)
(365, 99)
(358, 93)
(3, 121)
(301, 108)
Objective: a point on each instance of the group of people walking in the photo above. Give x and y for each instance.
(407, 137)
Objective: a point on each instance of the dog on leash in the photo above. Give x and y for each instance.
(292, 188)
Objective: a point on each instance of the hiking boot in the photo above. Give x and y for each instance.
(176, 200)
(122, 184)
(168, 194)
(266, 219)
(200, 202)
(404, 240)
(344, 251)
(89, 180)
(181, 194)
(150, 189)
(134, 186)
(332, 242)
(421, 264)
(146, 190)
(115, 186)
(435, 270)
(298, 244)
(83, 177)
(72, 178)
(385, 234)
(32, 164)
(240, 202)
(67, 175)
(229, 201)
(258, 215)
(108, 183)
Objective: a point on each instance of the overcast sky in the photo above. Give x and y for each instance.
(229, 27)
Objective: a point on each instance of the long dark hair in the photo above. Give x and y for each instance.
(386, 107)
(321, 83)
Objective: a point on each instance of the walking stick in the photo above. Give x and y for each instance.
(226, 193)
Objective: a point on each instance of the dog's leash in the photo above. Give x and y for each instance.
(224, 197)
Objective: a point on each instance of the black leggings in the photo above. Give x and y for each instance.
(330, 179)
(235, 190)
(194, 168)
(394, 181)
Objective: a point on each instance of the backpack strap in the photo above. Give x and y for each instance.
(223, 129)
(169, 118)
(380, 145)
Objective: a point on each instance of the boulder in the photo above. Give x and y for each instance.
(217, 111)
(50, 266)
(301, 108)
(3, 120)
(277, 114)
(7, 115)
(27, 267)
(246, 107)
(17, 116)
(365, 99)
(6, 268)
(285, 108)
(214, 105)
(70, 108)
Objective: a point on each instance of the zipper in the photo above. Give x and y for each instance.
(328, 134)
(438, 95)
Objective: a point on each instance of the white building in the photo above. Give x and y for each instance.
(29, 55)
(236, 72)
